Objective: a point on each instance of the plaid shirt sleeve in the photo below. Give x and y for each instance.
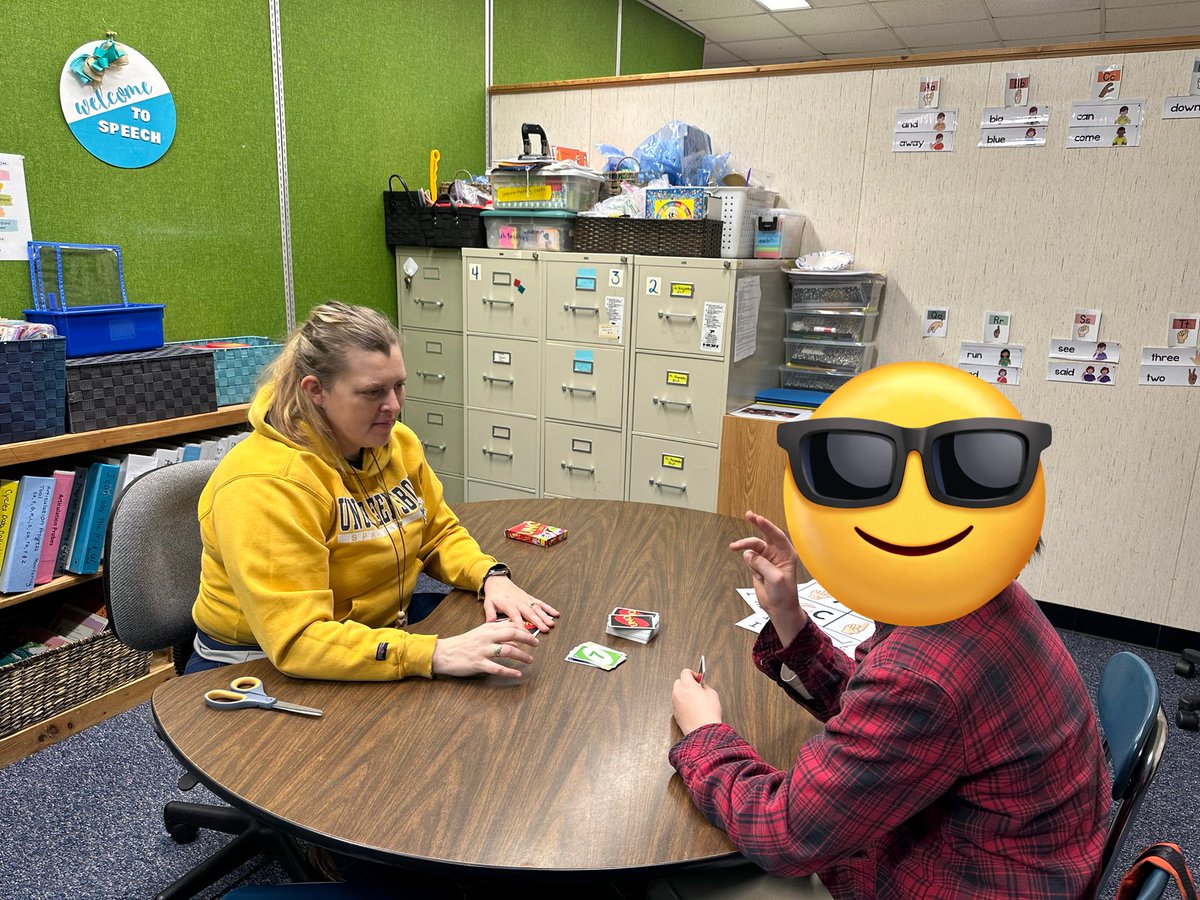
(893, 747)
(813, 661)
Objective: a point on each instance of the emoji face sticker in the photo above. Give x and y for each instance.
(914, 494)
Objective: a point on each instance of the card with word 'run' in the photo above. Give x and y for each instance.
(596, 655)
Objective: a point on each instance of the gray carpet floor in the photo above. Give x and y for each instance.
(84, 816)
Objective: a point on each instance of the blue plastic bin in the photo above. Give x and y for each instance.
(89, 272)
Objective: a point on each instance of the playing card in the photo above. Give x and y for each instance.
(529, 626)
(597, 655)
(632, 618)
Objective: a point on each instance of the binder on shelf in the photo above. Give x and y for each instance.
(52, 536)
(72, 519)
(93, 518)
(8, 503)
(792, 397)
(22, 553)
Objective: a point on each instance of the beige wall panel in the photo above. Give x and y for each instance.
(565, 115)
(733, 112)
(819, 168)
(625, 118)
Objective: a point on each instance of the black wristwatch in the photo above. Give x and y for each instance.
(497, 569)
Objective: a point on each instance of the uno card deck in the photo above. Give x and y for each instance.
(633, 624)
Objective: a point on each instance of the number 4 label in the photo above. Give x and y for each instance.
(653, 286)
(474, 271)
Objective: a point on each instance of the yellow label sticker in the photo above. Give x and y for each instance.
(678, 378)
(672, 462)
(523, 192)
(682, 289)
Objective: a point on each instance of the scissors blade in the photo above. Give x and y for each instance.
(295, 708)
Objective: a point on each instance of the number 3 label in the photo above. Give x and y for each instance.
(615, 278)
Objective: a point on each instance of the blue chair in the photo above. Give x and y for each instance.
(1135, 732)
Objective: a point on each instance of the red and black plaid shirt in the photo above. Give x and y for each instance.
(958, 760)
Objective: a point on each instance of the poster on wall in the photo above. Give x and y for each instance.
(15, 232)
(123, 115)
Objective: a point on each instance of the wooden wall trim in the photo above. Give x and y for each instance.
(960, 57)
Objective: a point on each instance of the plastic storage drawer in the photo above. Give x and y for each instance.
(822, 291)
(529, 230)
(517, 189)
(846, 356)
(832, 324)
(812, 379)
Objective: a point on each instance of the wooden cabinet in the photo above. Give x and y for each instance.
(15, 458)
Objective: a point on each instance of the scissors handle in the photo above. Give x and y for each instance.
(247, 691)
(223, 699)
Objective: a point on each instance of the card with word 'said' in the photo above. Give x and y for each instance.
(596, 655)
(536, 533)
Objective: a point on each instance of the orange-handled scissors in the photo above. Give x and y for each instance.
(247, 691)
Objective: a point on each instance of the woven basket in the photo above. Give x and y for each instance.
(33, 389)
(237, 368)
(653, 237)
(42, 686)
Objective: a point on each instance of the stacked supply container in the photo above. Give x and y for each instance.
(830, 328)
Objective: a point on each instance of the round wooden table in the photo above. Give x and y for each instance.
(563, 771)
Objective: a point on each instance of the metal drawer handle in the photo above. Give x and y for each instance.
(665, 402)
(440, 448)
(590, 310)
(428, 302)
(571, 468)
(440, 376)
(489, 452)
(668, 315)
(654, 482)
(497, 302)
(573, 389)
(491, 379)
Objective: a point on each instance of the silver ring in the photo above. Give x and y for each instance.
(496, 655)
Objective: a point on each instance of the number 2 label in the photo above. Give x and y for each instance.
(653, 286)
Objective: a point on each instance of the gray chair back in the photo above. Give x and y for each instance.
(152, 556)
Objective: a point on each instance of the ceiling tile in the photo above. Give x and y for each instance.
(1039, 7)
(955, 48)
(1055, 39)
(1112, 4)
(716, 56)
(865, 54)
(857, 17)
(1039, 28)
(687, 10)
(742, 28)
(929, 12)
(1167, 15)
(826, 4)
(856, 41)
(776, 50)
(1156, 32)
(953, 33)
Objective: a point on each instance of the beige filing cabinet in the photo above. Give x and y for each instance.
(546, 373)
(429, 306)
(692, 319)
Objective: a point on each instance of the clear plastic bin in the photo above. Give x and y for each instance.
(823, 290)
(832, 324)
(529, 190)
(846, 356)
(531, 230)
(812, 379)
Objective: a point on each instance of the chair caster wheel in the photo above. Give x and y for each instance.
(182, 833)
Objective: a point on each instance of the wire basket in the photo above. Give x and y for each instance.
(652, 237)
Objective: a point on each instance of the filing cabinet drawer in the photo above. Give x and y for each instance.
(673, 473)
(453, 488)
(502, 448)
(504, 374)
(481, 490)
(433, 297)
(584, 384)
(502, 294)
(584, 462)
(434, 361)
(679, 397)
(586, 298)
(684, 310)
(440, 429)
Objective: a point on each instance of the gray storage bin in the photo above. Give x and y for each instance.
(846, 356)
(832, 324)
(823, 291)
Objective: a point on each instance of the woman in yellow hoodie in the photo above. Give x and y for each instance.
(316, 525)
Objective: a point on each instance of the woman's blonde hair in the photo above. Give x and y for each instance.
(319, 347)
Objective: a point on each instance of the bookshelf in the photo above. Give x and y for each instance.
(55, 728)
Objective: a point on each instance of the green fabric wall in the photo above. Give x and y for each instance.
(549, 40)
(653, 43)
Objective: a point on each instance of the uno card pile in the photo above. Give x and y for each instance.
(596, 655)
(633, 624)
(536, 533)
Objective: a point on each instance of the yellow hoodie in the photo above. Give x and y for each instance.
(315, 569)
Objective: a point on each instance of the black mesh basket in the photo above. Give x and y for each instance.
(653, 237)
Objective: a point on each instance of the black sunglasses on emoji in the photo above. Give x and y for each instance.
(856, 463)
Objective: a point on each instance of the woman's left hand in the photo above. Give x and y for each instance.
(500, 595)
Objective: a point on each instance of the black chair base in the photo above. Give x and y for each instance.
(183, 820)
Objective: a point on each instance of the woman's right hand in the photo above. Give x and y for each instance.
(483, 650)
(774, 562)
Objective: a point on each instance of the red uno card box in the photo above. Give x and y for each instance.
(33, 389)
(128, 388)
(536, 533)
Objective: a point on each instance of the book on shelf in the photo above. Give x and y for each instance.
(139, 462)
(93, 518)
(51, 538)
(72, 519)
(191, 452)
(21, 555)
(8, 503)
(792, 397)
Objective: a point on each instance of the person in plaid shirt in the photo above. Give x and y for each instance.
(961, 756)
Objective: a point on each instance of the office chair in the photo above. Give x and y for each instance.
(1135, 732)
(151, 575)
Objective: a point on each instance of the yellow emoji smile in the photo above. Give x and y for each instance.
(921, 550)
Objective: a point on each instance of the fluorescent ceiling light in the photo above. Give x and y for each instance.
(781, 5)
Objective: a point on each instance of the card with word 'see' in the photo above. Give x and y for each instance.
(596, 655)
(633, 624)
(536, 533)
